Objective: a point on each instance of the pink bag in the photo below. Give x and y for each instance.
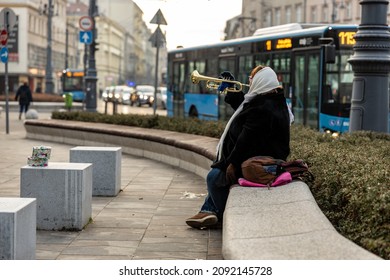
(282, 179)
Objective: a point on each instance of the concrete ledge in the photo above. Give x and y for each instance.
(42, 106)
(280, 223)
(187, 151)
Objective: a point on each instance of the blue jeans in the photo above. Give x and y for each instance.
(218, 192)
(23, 108)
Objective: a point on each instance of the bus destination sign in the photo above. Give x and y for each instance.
(279, 44)
(347, 38)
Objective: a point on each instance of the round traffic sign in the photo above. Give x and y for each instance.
(4, 55)
(86, 23)
(3, 37)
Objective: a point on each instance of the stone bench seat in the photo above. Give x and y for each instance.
(281, 223)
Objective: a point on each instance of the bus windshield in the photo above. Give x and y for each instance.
(73, 83)
(338, 87)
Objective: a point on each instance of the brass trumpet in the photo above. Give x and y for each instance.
(214, 83)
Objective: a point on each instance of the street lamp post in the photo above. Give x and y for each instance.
(49, 84)
(371, 66)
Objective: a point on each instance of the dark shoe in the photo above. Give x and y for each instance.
(202, 220)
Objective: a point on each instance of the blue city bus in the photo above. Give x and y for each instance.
(311, 62)
(73, 82)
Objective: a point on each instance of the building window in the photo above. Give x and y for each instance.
(348, 10)
(268, 17)
(325, 13)
(359, 10)
(288, 14)
(277, 16)
(298, 13)
(313, 14)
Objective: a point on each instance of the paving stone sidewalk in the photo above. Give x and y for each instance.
(145, 220)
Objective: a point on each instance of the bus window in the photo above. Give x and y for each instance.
(245, 66)
(200, 66)
(227, 64)
(263, 59)
(179, 80)
(212, 67)
(336, 97)
(281, 62)
(312, 91)
(305, 103)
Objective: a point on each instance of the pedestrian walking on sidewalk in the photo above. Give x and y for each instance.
(260, 126)
(24, 95)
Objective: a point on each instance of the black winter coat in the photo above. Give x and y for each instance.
(262, 128)
(24, 95)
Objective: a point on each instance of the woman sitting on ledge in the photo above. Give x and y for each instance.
(259, 126)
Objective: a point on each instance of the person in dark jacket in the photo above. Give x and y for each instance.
(24, 95)
(260, 126)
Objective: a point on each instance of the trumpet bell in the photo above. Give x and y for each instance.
(195, 77)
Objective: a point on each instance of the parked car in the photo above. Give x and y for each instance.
(145, 95)
(161, 100)
(122, 94)
(108, 94)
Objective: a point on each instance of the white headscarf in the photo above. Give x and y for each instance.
(264, 81)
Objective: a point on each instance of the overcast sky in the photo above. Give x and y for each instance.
(191, 22)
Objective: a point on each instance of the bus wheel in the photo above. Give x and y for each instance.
(193, 112)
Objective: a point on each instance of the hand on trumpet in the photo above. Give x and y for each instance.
(226, 75)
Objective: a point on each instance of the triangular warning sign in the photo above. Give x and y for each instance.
(157, 38)
(159, 18)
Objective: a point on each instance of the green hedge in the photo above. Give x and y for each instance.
(352, 172)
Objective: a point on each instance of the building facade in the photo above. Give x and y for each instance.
(265, 13)
(28, 44)
(124, 56)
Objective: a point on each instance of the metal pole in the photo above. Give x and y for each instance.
(66, 48)
(156, 79)
(371, 65)
(6, 23)
(49, 88)
(91, 77)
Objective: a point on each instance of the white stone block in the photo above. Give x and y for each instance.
(63, 191)
(17, 228)
(106, 162)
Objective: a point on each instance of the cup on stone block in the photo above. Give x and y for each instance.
(41, 152)
(37, 162)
